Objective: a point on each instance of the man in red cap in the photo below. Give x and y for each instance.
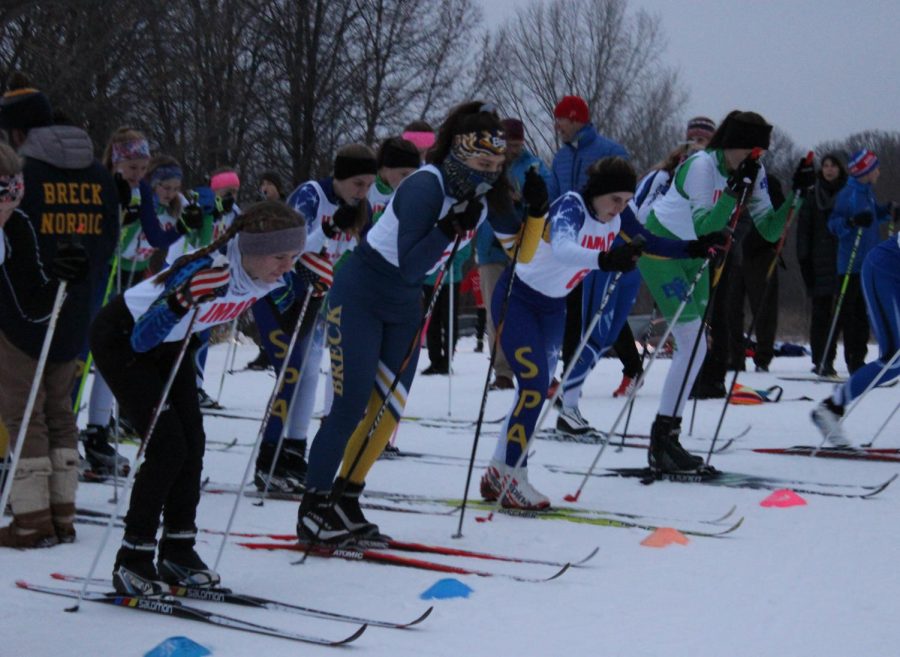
(582, 146)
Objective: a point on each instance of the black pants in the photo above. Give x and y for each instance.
(572, 334)
(627, 352)
(438, 335)
(748, 280)
(822, 315)
(854, 322)
(168, 482)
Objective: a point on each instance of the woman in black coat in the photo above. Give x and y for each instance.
(817, 253)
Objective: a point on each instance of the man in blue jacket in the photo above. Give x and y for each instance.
(854, 221)
(582, 146)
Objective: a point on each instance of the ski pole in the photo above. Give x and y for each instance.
(262, 427)
(450, 346)
(232, 342)
(882, 427)
(870, 387)
(644, 351)
(767, 286)
(303, 364)
(840, 301)
(640, 380)
(487, 381)
(142, 448)
(32, 395)
(339, 489)
(586, 335)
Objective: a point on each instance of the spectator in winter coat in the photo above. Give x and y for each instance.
(582, 146)
(854, 220)
(72, 225)
(817, 254)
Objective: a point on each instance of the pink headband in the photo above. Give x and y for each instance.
(12, 188)
(422, 140)
(135, 149)
(224, 180)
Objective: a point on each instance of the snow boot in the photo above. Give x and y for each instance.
(179, 562)
(827, 417)
(102, 456)
(289, 475)
(319, 522)
(666, 453)
(29, 530)
(571, 421)
(134, 572)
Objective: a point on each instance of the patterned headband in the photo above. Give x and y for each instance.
(12, 188)
(482, 142)
(165, 172)
(134, 149)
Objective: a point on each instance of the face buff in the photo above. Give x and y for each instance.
(462, 180)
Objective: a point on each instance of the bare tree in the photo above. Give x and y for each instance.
(409, 59)
(599, 51)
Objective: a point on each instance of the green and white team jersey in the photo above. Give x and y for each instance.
(695, 204)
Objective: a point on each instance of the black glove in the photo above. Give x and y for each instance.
(191, 218)
(743, 178)
(71, 263)
(124, 190)
(132, 214)
(862, 219)
(462, 218)
(346, 217)
(621, 258)
(804, 177)
(534, 192)
(700, 247)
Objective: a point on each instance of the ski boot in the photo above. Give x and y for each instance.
(179, 563)
(366, 533)
(666, 453)
(520, 494)
(289, 475)
(571, 421)
(134, 572)
(319, 522)
(492, 481)
(627, 385)
(260, 363)
(102, 456)
(827, 417)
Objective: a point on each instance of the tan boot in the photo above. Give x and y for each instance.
(29, 530)
(63, 484)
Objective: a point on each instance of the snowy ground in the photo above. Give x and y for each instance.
(815, 580)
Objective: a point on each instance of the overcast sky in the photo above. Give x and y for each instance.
(818, 69)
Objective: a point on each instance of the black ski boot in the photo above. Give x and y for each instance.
(179, 562)
(319, 522)
(289, 475)
(666, 453)
(134, 572)
(348, 508)
(261, 362)
(102, 456)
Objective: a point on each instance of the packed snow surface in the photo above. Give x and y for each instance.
(816, 580)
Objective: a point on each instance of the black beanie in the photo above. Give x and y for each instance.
(746, 130)
(397, 152)
(347, 167)
(24, 109)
